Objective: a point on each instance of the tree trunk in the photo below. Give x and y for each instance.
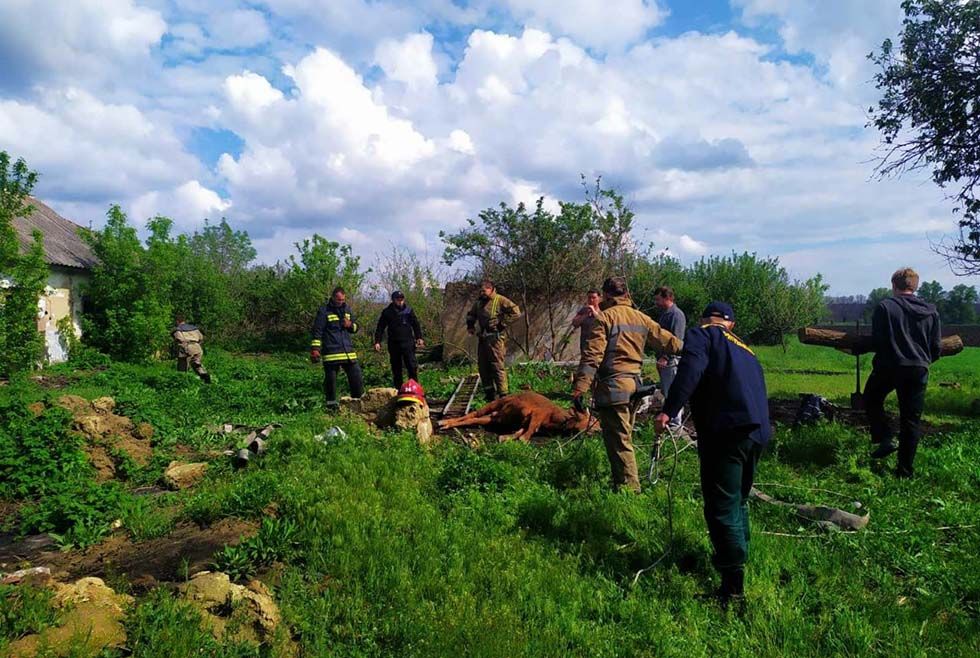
(850, 342)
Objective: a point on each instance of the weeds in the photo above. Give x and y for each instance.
(276, 541)
(383, 548)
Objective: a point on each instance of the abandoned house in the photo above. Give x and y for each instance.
(70, 261)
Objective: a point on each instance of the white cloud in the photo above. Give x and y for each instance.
(42, 40)
(88, 149)
(408, 60)
(354, 237)
(689, 245)
(250, 93)
(188, 204)
(242, 28)
(840, 33)
(460, 141)
(601, 24)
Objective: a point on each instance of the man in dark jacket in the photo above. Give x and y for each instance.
(404, 335)
(331, 340)
(906, 335)
(721, 377)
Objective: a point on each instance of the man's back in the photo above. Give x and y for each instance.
(724, 382)
(906, 332)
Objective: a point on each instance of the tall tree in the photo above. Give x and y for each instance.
(231, 251)
(129, 310)
(535, 254)
(929, 112)
(960, 305)
(22, 275)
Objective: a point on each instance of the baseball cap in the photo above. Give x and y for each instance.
(719, 310)
(397, 295)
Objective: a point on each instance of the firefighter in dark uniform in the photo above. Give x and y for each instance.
(613, 356)
(404, 335)
(721, 377)
(489, 318)
(332, 342)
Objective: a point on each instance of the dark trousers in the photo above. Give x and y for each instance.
(727, 468)
(402, 355)
(354, 378)
(909, 383)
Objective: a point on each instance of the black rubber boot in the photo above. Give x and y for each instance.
(886, 448)
(732, 590)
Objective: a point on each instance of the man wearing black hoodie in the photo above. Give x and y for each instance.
(906, 334)
(404, 335)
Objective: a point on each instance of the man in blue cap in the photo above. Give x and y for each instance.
(721, 377)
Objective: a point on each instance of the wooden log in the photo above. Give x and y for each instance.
(852, 343)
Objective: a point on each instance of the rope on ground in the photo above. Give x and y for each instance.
(670, 509)
(824, 535)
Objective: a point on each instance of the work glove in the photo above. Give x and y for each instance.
(314, 356)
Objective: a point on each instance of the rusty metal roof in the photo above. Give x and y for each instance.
(63, 245)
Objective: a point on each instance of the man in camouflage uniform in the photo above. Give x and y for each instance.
(613, 356)
(187, 340)
(488, 320)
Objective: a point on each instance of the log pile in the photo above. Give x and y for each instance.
(854, 343)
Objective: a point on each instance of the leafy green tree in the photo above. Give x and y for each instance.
(932, 292)
(874, 297)
(228, 250)
(280, 301)
(959, 307)
(128, 314)
(928, 114)
(540, 255)
(768, 304)
(22, 275)
(192, 282)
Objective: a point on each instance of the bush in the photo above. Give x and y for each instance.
(22, 276)
(767, 304)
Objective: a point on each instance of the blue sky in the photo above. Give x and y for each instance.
(728, 124)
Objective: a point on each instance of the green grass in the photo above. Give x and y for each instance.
(515, 550)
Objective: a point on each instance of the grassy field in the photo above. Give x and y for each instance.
(382, 548)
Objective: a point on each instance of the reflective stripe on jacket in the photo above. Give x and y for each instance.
(614, 350)
(493, 315)
(329, 336)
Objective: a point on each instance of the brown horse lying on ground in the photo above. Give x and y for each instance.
(523, 415)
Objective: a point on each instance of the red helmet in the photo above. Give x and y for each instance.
(411, 391)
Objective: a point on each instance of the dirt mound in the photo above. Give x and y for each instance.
(92, 621)
(189, 548)
(230, 611)
(109, 438)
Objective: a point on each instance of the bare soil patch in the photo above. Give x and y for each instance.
(186, 550)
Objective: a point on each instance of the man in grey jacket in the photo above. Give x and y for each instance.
(672, 319)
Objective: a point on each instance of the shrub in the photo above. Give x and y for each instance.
(22, 276)
(767, 303)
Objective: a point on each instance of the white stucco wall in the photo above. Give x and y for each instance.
(62, 297)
